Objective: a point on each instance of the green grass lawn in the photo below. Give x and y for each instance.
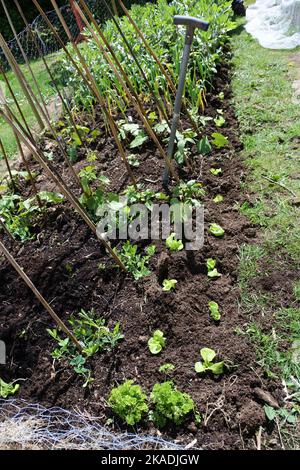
(47, 90)
(269, 116)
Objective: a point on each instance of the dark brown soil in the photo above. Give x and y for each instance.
(231, 411)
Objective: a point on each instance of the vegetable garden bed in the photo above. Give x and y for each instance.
(73, 271)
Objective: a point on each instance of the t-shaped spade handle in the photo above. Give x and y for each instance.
(192, 23)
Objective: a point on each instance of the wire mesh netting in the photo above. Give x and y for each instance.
(38, 39)
(32, 426)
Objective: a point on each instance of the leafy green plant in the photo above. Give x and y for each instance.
(170, 404)
(133, 160)
(216, 230)
(169, 284)
(130, 128)
(188, 193)
(134, 262)
(166, 368)
(218, 198)
(285, 415)
(93, 335)
(173, 244)
(129, 402)
(219, 120)
(219, 140)
(7, 389)
(183, 139)
(157, 342)
(204, 146)
(212, 271)
(214, 310)
(208, 355)
(216, 171)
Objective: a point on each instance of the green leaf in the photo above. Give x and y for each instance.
(199, 367)
(216, 230)
(156, 342)
(218, 198)
(219, 140)
(207, 354)
(173, 244)
(53, 197)
(217, 368)
(270, 412)
(7, 389)
(214, 273)
(204, 146)
(216, 171)
(214, 310)
(211, 264)
(169, 284)
(138, 141)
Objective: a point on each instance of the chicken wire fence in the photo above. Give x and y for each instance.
(37, 38)
(32, 426)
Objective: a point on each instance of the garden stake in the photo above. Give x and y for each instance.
(63, 101)
(155, 57)
(159, 103)
(39, 296)
(2, 72)
(89, 80)
(133, 97)
(25, 57)
(6, 230)
(13, 64)
(29, 93)
(25, 163)
(7, 163)
(55, 176)
(191, 23)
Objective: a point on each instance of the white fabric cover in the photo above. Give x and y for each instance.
(275, 23)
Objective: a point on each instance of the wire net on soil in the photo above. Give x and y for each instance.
(32, 426)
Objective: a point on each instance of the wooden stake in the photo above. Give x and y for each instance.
(39, 296)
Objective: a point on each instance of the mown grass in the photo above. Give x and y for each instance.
(269, 117)
(47, 90)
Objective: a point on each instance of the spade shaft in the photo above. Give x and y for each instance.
(191, 23)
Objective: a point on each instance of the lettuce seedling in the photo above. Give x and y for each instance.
(214, 310)
(216, 171)
(208, 355)
(166, 368)
(156, 342)
(170, 404)
(216, 230)
(7, 389)
(173, 244)
(219, 140)
(169, 284)
(218, 198)
(212, 271)
(129, 402)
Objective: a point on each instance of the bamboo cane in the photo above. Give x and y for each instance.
(89, 80)
(25, 163)
(24, 56)
(159, 63)
(6, 230)
(55, 176)
(7, 163)
(39, 296)
(63, 101)
(136, 101)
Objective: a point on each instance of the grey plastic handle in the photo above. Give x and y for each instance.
(191, 22)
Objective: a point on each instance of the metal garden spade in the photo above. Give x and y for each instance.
(191, 23)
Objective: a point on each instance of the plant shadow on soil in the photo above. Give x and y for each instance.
(64, 240)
